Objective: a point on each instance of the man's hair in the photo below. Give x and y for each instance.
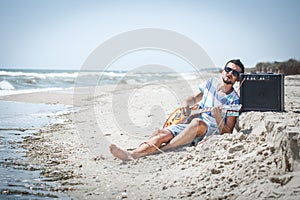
(238, 63)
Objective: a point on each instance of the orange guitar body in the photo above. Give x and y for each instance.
(177, 117)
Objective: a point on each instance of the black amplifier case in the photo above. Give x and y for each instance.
(262, 92)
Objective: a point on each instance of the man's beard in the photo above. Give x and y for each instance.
(227, 82)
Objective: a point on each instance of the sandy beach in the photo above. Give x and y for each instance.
(259, 160)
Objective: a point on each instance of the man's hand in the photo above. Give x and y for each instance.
(188, 102)
(217, 113)
(185, 109)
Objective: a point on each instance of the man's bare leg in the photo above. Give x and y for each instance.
(120, 153)
(196, 128)
(146, 148)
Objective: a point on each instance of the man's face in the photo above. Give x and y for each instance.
(230, 74)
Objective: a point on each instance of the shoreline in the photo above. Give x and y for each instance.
(259, 161)
(20, 177)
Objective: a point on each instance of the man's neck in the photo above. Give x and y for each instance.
(226, 88)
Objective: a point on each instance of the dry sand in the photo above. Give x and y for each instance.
(259, 160)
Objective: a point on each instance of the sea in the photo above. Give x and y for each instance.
(19, 120)
(17, 81)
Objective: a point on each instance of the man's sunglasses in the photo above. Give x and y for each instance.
(234, 72)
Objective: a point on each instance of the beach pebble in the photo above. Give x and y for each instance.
(242, 136)
(282, 180)
(5, 192)
(236, 147)
(215, 171)
(124, 195)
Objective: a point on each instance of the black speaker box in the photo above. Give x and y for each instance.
(262, 92)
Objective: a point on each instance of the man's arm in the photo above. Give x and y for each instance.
(190, 101)
(224, 127)
(229, 126)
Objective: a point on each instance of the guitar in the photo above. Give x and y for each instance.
(177, 117)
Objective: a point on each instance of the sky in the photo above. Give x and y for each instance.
(61, 34)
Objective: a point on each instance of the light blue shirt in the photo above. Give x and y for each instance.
(211, 98)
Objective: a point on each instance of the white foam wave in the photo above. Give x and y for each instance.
(5, 85)
(40, 75)
(13, 92)
(113, 74)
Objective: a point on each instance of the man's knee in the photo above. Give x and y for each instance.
(164, 135)
(199, 126)
(196, 122)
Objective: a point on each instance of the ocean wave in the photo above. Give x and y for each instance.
(27, 91)
(28, 79)
(113, 74)
(5, 85)
(40, 75)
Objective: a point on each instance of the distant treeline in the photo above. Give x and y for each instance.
(288, 67)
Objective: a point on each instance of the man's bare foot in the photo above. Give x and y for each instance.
(120, 153)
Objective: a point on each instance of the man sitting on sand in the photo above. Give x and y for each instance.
(213, 94)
